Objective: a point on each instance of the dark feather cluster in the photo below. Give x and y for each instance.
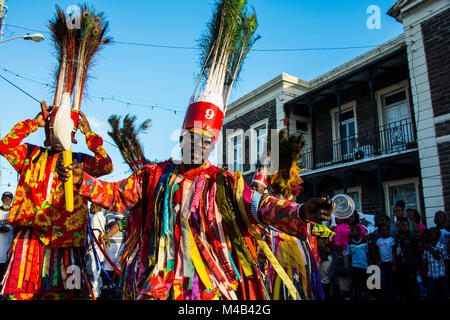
(126, 138)
(286, 181)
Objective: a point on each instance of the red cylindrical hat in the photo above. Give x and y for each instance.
(204, 116)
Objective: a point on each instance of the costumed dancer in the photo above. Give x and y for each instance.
(199, 221)
(298, 256)
(49, 237)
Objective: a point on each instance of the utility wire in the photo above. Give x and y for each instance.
(102, 98)
(196, 48)
(40, 102)
(19, 88)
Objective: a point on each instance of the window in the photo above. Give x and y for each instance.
(397, 124)
(261, 137)
(344, 131)
(237, 153)
(396, 130)
(355, 194)
(347, 132)
(235, 147)
(258, 142)
(356, 198)
(406, 190)
(301, 126)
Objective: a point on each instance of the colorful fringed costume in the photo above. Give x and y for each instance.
(298, 256)
(300, 259)
(197, 239)
(47, 238)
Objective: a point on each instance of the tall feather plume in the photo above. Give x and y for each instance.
(224, 47)
(126, 138)
(75, 49)
(286, 181)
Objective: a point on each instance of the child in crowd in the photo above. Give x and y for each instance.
(357, 250)
(419, 228)
(440, 219)
(374, 236)
(437, 286)
(341, 239)
(386, 257)
(408, 260)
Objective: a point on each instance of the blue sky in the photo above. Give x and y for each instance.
(164, 76)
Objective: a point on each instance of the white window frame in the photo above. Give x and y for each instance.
(353, 189)
(230, 148)
(253, 141)
(379, 96)
(336, 134)
(381, 108)
(395, 183)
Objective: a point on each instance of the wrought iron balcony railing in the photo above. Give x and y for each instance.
(390, 138)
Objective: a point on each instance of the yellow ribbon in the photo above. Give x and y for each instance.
(198, 262)
(23, 259)
(43, 165)
(269, 254)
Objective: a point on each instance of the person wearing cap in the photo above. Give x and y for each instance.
(43, 229)
(6, 230)
(259, 181)
(199, 222)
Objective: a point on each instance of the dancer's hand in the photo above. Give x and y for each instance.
(317, 210)
(83, 124)
(39, 119)
(64, 172)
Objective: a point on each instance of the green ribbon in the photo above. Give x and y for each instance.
(237, 239)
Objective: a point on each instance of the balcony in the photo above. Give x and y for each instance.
(391, 138)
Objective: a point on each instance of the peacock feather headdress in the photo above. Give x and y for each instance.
(76, 45)
(224, 46)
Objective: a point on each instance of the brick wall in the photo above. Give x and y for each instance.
(444, 159)
(436, 35)
(442, 128)
(322, 129)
